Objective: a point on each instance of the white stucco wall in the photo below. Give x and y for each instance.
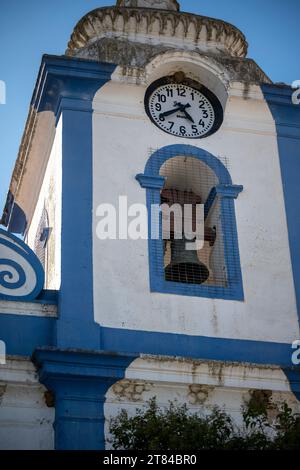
(50, 198)
(122, 137)
(200, 385)
(26, 423)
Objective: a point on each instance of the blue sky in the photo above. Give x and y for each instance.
(31, 28)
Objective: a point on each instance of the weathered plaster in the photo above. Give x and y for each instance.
(133, 57)
(130, 390)
(26, 422)
(158, 26)
(158, 4)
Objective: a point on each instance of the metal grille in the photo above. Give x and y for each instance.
(41, 238)
(190, 181)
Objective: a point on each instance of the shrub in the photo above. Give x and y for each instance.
(175, 428)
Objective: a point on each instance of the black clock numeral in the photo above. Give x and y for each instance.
(201, 123)
(205, 113)
(158, 107)
(172, 125)
(170, 92)
(182, 130)
(194, 129)
(181, 92)
(162, 118)
(162, 98)
(201, 104)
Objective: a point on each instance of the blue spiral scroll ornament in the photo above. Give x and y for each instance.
(21, 273)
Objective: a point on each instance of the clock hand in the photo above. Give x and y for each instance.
(188, 116)
(181, 107)
(168, 113)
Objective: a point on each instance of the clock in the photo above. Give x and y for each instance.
(184, 109)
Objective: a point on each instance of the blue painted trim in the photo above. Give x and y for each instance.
(67, 77)
(71, 85)
(60, 78)
(13, 216)
(19, 247)
(7, 274)
(209, 202)
(287, 119)
(67, 86)
(23, 333)
(196, 347)
(229, 190)
(293, 376)
(17, 221)
(48, 296)
(158, 158)
(80, 381)
(222, 190)
(151, 180)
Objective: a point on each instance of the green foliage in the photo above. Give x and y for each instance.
(255, 412)
(175, 428)
(288, 429)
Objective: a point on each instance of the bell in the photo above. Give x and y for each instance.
(185, 266)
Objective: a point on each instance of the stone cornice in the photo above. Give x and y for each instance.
(158, 4)
(199, 31)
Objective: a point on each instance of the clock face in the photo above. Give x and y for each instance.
(183, 110)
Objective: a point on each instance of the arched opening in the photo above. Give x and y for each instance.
(189, 182)
(183, 173)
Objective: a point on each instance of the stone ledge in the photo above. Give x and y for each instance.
(160, 25)
(34, 309)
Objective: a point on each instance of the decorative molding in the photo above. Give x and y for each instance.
(130, 391)
(176, 370)
(32, 309)
(229, 190)
(21, 273)
(200, 31)
(133, 55)
(157, 4)
(150, 182)
(222, 190)
(19, 371)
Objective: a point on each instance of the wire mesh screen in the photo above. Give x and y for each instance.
(41, 238)
(190, 182)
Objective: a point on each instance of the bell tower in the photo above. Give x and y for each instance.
(148, 108)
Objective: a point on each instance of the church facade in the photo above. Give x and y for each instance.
(149, 105)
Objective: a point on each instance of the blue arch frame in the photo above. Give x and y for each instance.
(153, 183)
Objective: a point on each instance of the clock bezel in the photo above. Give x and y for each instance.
(210, 96)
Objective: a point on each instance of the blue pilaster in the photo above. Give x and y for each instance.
(67, 88)
(76, 327)
(287, 120)
(79, 381)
